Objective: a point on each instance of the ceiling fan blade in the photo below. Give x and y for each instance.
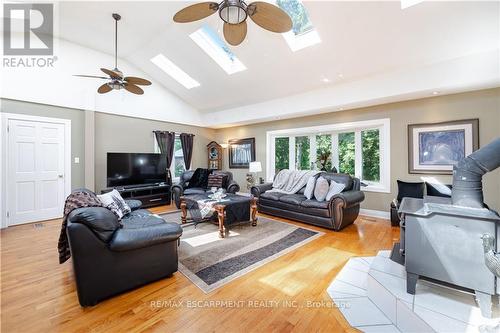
(269, 17)
(104, 89)
(92, 76)
(196, 12)
(235, 33)
(133, 88)
(137, 80)
(111, 73)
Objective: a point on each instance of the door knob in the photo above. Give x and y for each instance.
(60, 176)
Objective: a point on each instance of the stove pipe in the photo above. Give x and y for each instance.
(467, 190)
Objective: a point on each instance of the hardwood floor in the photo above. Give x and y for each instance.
(38, 294)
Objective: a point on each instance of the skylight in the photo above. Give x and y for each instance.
(174, 71)
(303, 33)
(217, 49)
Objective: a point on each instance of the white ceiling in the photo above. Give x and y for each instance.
(359, 40)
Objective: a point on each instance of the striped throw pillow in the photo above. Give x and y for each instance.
(215, 180)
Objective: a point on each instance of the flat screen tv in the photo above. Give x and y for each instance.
(129, 169)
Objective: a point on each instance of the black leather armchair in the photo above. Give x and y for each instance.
(111, 256)
(340, 211)
(180, 189)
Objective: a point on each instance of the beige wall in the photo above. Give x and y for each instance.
(484, 105)
(77, 118)
(134, 135)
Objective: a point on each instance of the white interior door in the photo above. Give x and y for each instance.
(35, 171)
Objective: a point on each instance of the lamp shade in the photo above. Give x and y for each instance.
(255, 167)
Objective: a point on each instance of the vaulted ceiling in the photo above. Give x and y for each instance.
(359, 40)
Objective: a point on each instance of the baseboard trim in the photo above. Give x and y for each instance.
(375, 213)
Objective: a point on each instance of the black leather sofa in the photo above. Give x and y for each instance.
(111, 256)
(337, 213)
(180, 189)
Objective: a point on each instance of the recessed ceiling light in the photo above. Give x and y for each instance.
(174, 71)
(325, 80)
(435, 92)
(340, 76)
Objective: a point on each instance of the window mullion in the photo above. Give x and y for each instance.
(291, 153)
(312, 150)
(358, 155)
(335, 151)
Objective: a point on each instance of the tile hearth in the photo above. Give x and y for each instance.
(371, 294)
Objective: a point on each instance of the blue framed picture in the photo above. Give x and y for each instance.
(435, 148)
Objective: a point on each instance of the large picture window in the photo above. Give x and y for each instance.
(361, 149)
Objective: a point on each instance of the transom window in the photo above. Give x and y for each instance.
(360, 149)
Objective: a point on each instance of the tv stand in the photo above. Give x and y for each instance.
(149, 195)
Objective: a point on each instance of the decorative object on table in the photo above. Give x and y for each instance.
(213, 265)
(234, 13)
(253, 169)
(435, 148)
(241, 153)
(166, 142)
(214, 151)
(187, 148)
(115, 76)
(228, 209)
(185, 179)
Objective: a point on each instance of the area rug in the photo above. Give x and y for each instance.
(211, 262)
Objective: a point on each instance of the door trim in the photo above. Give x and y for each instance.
(4, 144)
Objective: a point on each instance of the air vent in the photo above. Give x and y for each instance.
(38, 225)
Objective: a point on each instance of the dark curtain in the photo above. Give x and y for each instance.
(166, 142)
(187, 148)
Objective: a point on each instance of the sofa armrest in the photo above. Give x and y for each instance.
(349, 198)
(135, 238)
(134, 204)
(233, 187)
(257, 190)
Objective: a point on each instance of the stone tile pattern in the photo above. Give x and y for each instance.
(371, 294)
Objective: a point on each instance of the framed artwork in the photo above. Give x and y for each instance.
(435, 148)
(241, 153)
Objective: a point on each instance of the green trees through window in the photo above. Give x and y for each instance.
(371, 155)
(302, 149)
(347, 153)
(178, 158)
(324, 152)
(281, 154)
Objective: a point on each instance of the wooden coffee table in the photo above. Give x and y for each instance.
(221, 207)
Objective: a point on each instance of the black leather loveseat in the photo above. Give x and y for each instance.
(337, 213)
(111, 256)
(182, 188)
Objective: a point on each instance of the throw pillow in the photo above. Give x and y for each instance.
(321, 189)
(215, 180)
(309, 191)
(438, 190)
(115, 203)
(410, 190)
(335, 188)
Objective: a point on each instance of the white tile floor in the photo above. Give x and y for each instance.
(371, 294)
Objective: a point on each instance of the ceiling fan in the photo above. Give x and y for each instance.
(234, 13)
(115, 77)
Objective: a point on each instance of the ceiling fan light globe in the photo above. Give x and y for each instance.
(233, 11)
